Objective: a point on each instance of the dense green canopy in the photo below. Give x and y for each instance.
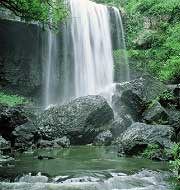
(162, 57)
(44, 11)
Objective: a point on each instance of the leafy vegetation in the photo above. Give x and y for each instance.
(167, 95)
(150, 151)
(44, 11)
(175, 163)
(153, 7)
(159, 52)
(13, 100)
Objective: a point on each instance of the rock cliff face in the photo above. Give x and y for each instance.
(20, 57)
(24, 55)
(23, 58)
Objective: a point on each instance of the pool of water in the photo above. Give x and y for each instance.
(86, 168)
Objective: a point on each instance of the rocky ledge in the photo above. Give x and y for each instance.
(146, 115)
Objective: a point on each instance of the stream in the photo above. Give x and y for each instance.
(84, 168)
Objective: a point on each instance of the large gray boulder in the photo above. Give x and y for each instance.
(146, 87)
(10, 118)
(139, 135)
(24, 135)
(81, 120)
(131, 97)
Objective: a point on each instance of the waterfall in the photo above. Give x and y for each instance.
(50, 64)
(87, 49)
(123, 74)
(91, 43)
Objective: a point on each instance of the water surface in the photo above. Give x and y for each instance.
(87, 168)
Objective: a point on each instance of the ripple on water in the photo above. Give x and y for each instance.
(144, 180)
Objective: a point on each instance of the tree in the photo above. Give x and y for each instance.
(48, 12)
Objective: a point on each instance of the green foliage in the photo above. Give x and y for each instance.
(175, 151)
(45, 11)
(153, 7)
(171, 69)
(150, 151)
(152, 103)
(13, 100)
(167, 95)
(175, 163)
(133, 24)
(173, 38)
(160, 55)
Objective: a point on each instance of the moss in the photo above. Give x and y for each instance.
(13, 100)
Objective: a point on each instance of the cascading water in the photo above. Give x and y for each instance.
(92, 47)
(51, 59)
(123, 74)
(87, 63)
